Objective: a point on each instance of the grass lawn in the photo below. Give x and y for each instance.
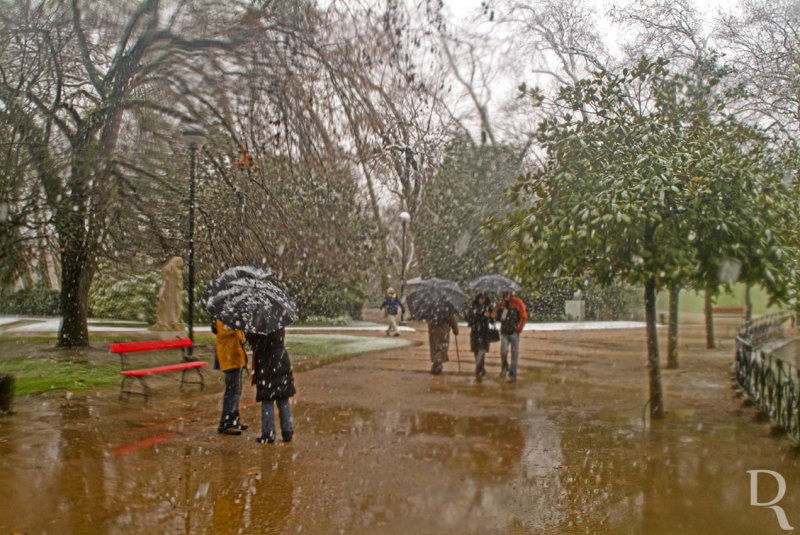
(34, 376)
(39, 367)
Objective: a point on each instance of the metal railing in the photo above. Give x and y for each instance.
(772, 383)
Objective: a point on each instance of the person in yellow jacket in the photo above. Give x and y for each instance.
(232, 359)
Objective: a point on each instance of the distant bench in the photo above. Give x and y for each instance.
(728, 310)
(124, 350)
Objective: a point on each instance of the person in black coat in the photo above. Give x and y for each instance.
(274, 380)
(479, 319)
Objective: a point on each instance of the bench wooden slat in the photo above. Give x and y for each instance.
(124, 349)
(727, 309)
(142, 372)
(150, 345)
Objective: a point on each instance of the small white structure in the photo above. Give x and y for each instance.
(575, 309)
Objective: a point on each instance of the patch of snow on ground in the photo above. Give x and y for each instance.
(354, 344)
(39, 325)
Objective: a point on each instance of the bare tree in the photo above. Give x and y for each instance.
(763, 44)
(387, 78)
(73, 76)
(670, 29)
(558, 39)
(533, 47)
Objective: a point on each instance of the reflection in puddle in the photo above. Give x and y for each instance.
(550, 457)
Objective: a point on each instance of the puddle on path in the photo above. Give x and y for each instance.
(557, 454)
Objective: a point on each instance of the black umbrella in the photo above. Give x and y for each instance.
(493, 283)
(250, 305)
(235, 274)
(435, 299)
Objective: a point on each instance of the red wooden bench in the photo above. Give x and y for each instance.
(124, 349)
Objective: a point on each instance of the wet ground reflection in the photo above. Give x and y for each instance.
(386, 450)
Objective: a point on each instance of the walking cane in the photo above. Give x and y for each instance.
(458, 357)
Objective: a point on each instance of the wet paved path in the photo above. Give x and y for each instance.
(381, 446)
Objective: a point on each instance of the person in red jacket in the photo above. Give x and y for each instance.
(512, 316)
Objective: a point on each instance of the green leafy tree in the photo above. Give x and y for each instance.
(738, 203)
(615, 200)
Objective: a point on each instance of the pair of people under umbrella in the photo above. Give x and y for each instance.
(272, 376)
(242, 297)
(512, 315)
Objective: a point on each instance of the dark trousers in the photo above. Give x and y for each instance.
(230, 401)
(480, 359)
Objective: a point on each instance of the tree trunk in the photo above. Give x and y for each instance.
(77, 272)
(6, 392)
(653, 364)
(709, 311)
(672, 329)
(383, 253)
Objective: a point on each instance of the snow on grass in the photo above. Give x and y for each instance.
(340, 344)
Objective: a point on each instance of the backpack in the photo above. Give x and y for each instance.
(509, 320)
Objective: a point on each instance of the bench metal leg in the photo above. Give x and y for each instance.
(200, 382)
(125, 392)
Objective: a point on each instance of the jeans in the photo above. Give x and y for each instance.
(505, 340)
(268, 418)
(230, 401)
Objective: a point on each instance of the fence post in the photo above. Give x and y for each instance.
(773, 384)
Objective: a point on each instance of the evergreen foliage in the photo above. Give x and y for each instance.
(468, 187)
(38, 300)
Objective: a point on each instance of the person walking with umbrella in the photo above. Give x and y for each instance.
(479, 319)
(437, 301)
(512, 315)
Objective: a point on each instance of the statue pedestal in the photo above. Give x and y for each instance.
(168, 331)
(575, 309)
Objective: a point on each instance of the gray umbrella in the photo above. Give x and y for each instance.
(493, 283)
(250, 305)
(435, 299)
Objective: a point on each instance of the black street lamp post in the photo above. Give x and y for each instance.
(194, 136)
(405, 217)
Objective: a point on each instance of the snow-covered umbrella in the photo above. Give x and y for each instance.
(435, 299)
(251, 305)
(234, 274)
(493, 283)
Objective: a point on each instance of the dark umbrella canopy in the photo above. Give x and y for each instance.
(493, 283)
(234, 274)
(435, 299)
(250, 305)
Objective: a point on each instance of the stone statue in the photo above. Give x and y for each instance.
(170, 297)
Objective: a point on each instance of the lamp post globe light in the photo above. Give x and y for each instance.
(405, 217)
(194, 136)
